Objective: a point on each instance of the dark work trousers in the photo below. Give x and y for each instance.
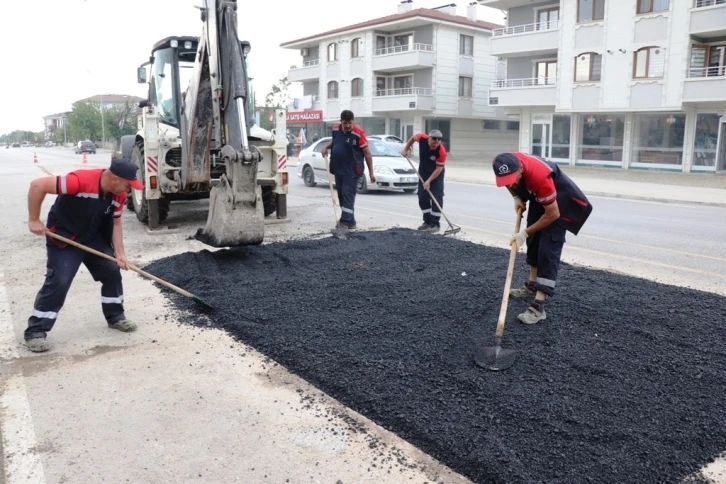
(347, 187)
(62, 267)
(430, 211)
(544, 250)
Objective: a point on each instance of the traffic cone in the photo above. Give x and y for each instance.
(35, 158)
(85, 160)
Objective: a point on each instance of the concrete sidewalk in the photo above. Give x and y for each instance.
(697, 188)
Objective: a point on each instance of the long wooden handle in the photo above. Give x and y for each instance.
(332, 195)
(441, 211)
(508, 283)
(113, 259)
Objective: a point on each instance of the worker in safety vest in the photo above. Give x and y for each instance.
(432, 159)
(88, 211)
(556, 205)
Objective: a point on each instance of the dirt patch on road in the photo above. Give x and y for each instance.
(623, 382)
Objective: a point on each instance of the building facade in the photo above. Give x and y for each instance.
(54, 124)
(619, 83)
(414, 71)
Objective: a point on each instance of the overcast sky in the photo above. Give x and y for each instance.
(51, 45)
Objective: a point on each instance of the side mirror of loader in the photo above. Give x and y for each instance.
(141, 75)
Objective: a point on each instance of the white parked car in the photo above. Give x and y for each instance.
(395, 142)
(392, 171)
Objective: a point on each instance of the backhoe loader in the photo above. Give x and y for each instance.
(198, 138)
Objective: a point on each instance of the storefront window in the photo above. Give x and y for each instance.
(561, 136)
(601, 137)
(658, 139)
(704, 148)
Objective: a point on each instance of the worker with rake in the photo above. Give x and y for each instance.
(556, 205)
(88, 210)
(432, 158)
(349, 148)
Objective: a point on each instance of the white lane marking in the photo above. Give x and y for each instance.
(21, 461)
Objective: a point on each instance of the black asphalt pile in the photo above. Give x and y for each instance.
(624, 382)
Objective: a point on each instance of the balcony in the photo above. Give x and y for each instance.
(523, 92)
(705, 84)
(708, 18)
(407, 99)
(526, 40)
(309, 71)
(403, 57)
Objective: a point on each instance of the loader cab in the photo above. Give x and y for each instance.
(169, 72)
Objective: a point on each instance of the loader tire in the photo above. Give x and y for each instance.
(140, 204)
(269, 200)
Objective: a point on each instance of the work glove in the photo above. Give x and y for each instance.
(519, 238)
(519, 204)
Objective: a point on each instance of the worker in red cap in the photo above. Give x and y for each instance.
(556, 205)
(88, 210)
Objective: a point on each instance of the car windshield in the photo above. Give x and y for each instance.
(379, 148)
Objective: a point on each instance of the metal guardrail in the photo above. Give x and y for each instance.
(521, 29)
(707, 3)
(311, 63)
(404, 48)
(406, 91)
(697, 72)
(536, 81)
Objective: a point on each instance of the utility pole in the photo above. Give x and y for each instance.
(103, 125)
(65, 139)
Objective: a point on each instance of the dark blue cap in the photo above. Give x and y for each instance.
(506, 168)
(123, 168)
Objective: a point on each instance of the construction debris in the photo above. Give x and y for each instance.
(624, 381)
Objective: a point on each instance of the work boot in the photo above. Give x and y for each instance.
(434, 228)
(424, 226)
(534, 313)
(527, 290)
(37, 345)
(123, 325)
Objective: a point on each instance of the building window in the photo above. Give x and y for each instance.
(650, 6)
(332, 52)
(588, 67)
(356, 88)
(356, 48)
(561, 136)
(546, 72)
(649, 62)
(706, 141)
(466, 45)
(590, 10)
(402, 43)
(491, 124)
(601, 137)
(443, 125)
(658, 139)
(332, 90)
(707, 60)
(403, 84)
(380, 45)
(380, 86)
(512, 125)
(547, 18)
(465, 84)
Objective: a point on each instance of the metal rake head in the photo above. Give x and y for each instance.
(453, 229)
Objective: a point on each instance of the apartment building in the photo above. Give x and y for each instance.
(620, 83)
(416, 70)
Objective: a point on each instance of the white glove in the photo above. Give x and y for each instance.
(518, 203)
(519, 238)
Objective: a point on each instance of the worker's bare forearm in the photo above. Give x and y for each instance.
(435, 174)
(35, 201)
(369, 159)
(552, 213)
(117, 238)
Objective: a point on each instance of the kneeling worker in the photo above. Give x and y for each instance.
(87, 210)
(432, 158)
(556, 205)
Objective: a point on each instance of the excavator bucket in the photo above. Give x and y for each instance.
(236, 215)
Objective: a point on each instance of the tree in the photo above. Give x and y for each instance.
(84, 121)
(120, 120)
(279, 96)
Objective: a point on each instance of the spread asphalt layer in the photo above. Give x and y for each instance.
(624, 381)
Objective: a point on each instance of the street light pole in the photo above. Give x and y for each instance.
(103, 125)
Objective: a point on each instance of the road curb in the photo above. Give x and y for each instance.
(613, 195)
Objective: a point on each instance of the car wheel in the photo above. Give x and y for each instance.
(309, 176)
(362, 184)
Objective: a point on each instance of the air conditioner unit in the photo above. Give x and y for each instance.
(304, 52)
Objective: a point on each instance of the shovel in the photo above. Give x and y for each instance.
(338, 232)
(453, 229)
(495, 357)
(174, 288)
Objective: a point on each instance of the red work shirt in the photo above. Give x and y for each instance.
(87, 184)
(537, 178)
